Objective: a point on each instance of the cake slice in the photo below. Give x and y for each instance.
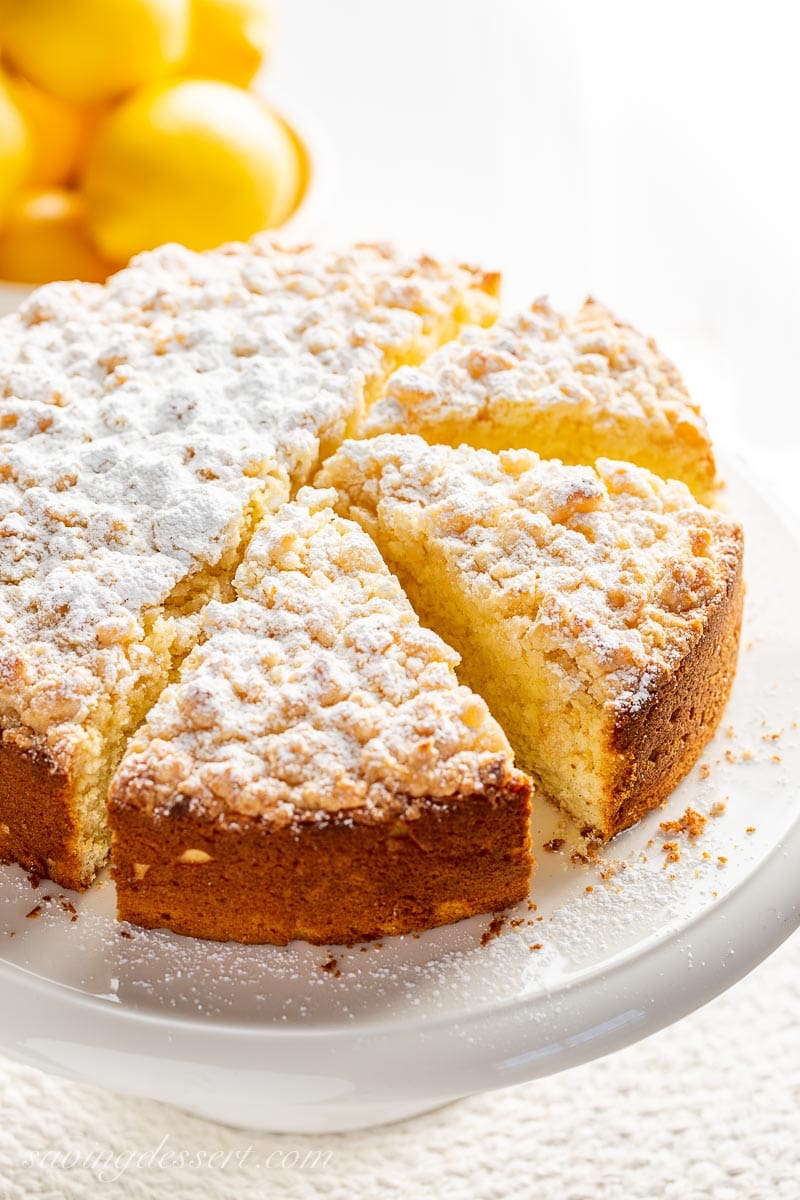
(316, 771)
(596, 610)
(577, 387)
(146, 427)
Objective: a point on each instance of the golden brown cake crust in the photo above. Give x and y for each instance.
(335, 881)
(37, 825)
(660, 740)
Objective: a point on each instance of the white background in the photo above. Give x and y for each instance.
(643, 152)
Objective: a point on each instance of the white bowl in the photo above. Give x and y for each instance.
(281, 1039)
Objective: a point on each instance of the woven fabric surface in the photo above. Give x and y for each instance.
(706, 1110)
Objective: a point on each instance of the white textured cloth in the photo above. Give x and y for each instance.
(706, 1110)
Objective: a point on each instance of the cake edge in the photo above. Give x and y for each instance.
(336, 881)
(659, 742)
(38, 826)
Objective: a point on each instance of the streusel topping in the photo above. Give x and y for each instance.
(609, 569)
(145, 425)
(581, 364)
(316, 691)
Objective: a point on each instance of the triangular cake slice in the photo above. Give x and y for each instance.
(576, 386)
(317, 771)
(596, 610)
(145, 428)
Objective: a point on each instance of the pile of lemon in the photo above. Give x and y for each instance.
(127, 124)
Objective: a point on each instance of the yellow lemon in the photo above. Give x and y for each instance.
(197, 162)
(84, 51)
(228, 39)
(57, 132)
(43, 238)
(14, 146)
(91, 119)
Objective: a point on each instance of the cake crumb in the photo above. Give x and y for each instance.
(332, 967)
(35, 912)
(718, 808)
(34, 878)
(722, 859)
(125, 933)
(532, 907)
(672, 852)
(750, 829)
(592, 843)
(705, 770)
(691, 823)
(578, 858)
(493, 929)
(536, 946)
(589, 888)
(554, 845)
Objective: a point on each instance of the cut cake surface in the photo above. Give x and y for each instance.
(597, 611)
(576, 386)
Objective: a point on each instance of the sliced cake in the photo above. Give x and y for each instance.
(317, 771)
(146, 427)
(596, 610)
(576, 386)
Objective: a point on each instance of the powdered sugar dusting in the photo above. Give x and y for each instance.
(143, 424)
(317, 690)
(584, 372)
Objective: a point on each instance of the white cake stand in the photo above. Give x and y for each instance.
(314, 1039)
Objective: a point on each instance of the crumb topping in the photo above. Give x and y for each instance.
(147, 424)
(587, 364)
(609, 570)
(316, 691)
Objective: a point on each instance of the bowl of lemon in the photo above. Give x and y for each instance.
(126, 125)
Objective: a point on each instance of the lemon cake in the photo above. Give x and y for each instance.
(317, 771)
(146, 427)
(596, 610)
(576, 386)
